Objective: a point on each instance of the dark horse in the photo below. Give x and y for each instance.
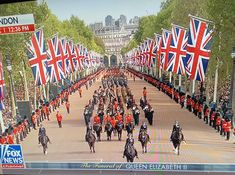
(109, 130)
(97, 128)
(129, 128)
(177, 137)
(130, 152)
(119, 128)
(144, 139)
(44, 140)
(90, 138)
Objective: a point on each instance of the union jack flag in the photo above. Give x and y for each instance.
(54, 61)
(71, 55)
(165, 45)
(158, 40)
(37, 55)
(139, 57)
(151, 52)
(78, 58)
(177, 51)
(63, 54)
(92, 58)
(2, 85)
(87, 58)
(198, 49)
(143, 53)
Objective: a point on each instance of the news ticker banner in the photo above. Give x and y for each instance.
(11, 156)
(135, 166)
(17, 24)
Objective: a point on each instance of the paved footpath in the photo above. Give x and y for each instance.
(203, 145)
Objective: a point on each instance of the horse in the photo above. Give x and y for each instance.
(90, 138)
(177, 137)
(97, 128)
(109, 130)
(119, 128)
(129, 128)
(144, 139)
(130, 152)
(44, 140)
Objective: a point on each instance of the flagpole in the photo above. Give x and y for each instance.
(48, 91)
(216, 73)
(2, 122)
(25, 83)
(180, 79)
(160, 73)
(193, 88)
(35, 97)
(170, 78)
(44, 91)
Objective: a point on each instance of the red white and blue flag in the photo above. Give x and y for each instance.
(87, 58)
(177, 50)
(37, 55)
(158, 40)
(151, 52)
(63, 54)
(165, 45)
(2, 85)
(54, 61)
(78, 58)
(198, 49)
(70, 67)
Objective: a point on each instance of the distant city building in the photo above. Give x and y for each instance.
(134, 20)
(122, 20)
(116, 34)
(96, 26)
(108, 20)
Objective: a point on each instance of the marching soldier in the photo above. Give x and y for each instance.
(59, 119)
(145, 93)
(228, 129)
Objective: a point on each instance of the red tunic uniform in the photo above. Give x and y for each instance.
(96, 120)
(107, 119)
(59, 117)
(10, 139)
(119, 118)
(218, 120)
(207, 112)
(3, 140)
(228, 126)
(129, 119)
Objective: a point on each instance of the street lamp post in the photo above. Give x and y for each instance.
(13, 96)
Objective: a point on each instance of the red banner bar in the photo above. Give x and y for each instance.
(17, 29)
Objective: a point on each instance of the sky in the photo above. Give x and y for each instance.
(96, 10)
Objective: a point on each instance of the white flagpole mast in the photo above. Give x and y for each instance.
(35, 97)
(193, 88)
(170, 78)
(216, 76)
(180, 81)
(2, 122)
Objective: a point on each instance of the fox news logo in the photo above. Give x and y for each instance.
(11, 156)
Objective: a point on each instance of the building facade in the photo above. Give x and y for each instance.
(115, 36)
